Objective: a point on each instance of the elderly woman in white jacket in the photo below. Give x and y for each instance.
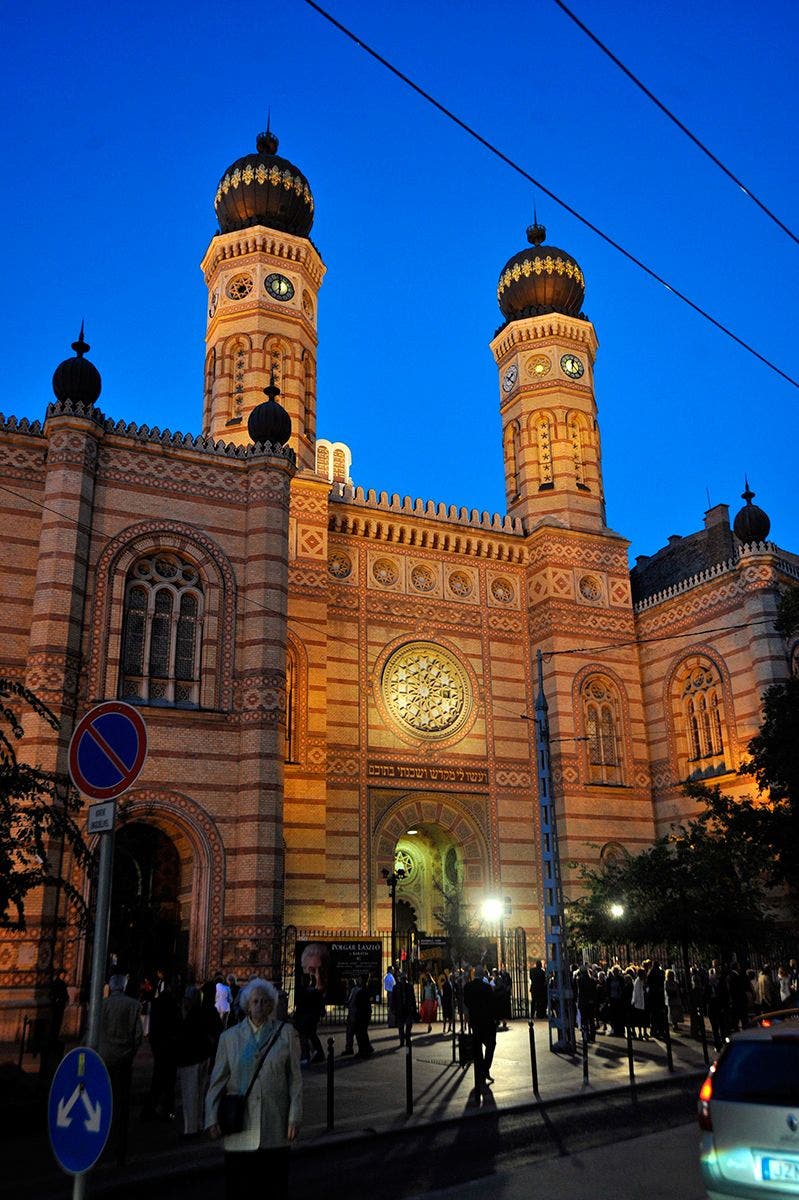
(274, 1107)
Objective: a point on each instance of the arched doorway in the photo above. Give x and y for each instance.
(149, 922)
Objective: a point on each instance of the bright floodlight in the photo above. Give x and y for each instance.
(617, 910)
(493, 909)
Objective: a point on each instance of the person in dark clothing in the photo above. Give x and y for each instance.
(503, 987)
(478, 997)
(447, 1001)
(617, 1007)
(405, 1007)
(59, 999)
(192, 1054)
(120, 1038)
(585, 991)
(164, 1030)
(538, 989)
(308, 1011)
(362, 1017)
(656, 999)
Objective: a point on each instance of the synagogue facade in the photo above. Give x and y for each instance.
(336, 681)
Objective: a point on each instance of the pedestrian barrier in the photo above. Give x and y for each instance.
(533, 1058)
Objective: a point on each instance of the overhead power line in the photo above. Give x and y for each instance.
(493, 149)
(676, 120)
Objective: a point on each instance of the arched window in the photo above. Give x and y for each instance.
(237, 379)
(162, 632)
(543, 437)
(601, 719)
(701, 716)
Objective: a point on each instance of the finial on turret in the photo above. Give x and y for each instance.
(536, 234)
(271, 391)
(81, 347)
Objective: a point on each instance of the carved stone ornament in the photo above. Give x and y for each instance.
(590, 588)
(426, 690)
(460, 584)
(385, 572)
(502, 591)
(423, 579)
(339, 565)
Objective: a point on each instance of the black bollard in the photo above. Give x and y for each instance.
(330, 1069)
(585, 1057)
(533, 1058)
(409, 1078)
(454, 1042)
(630, 1059)
(669, 1052)
(703, 1035)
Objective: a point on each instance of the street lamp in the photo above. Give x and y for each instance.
(392, 878)
(493, 910)
(617, 911)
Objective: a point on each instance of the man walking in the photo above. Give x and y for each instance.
(478, 998)
(120, 1038)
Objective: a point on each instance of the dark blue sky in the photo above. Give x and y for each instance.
(120, 121)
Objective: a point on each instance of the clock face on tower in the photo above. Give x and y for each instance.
(510, 377)
(572, 366)
(279, 287)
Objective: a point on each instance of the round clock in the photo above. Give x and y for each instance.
(279, 287)
(510, 377)
(572, 366)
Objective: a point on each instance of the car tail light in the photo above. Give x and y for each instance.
(705, 1096)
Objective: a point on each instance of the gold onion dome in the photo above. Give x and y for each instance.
(264, 189)
(541, 279)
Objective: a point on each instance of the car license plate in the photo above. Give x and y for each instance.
(785, 1170)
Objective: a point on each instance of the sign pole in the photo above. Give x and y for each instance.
(106, 754)
(100, 945)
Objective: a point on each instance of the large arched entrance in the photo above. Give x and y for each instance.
(437, 849)
(149, 925)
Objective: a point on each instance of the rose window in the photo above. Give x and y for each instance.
(426, 690)
(385, 572)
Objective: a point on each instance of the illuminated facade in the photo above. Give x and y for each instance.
(323, 669)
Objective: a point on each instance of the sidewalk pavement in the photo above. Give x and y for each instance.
(370, 1096)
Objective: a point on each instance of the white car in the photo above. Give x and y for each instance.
(749, 1113)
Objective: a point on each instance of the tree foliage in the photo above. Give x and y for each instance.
(37, 816)
(467, 941)
(692, 887)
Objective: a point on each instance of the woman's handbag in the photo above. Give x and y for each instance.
(233, 1105)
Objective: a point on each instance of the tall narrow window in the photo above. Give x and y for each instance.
(700, 717)
(601, 721)
(292, 702)
(578, 440)
(511, 460)
(544, 445)
(161, 632)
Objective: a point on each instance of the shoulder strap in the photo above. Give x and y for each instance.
(269, 1046)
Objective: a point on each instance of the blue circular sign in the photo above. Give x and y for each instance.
(107, 750)
(79, 1110)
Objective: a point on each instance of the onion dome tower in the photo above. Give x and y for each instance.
(264, 189)
(751, 524)
(263, 275)
(76, 379)
(545, 352)
(539, 280)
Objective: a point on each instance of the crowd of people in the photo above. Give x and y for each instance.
(219, 1037)
(649, 1000)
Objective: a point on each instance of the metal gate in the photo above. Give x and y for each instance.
(516, 963)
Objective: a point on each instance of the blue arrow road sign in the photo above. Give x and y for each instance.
(79, 1110)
